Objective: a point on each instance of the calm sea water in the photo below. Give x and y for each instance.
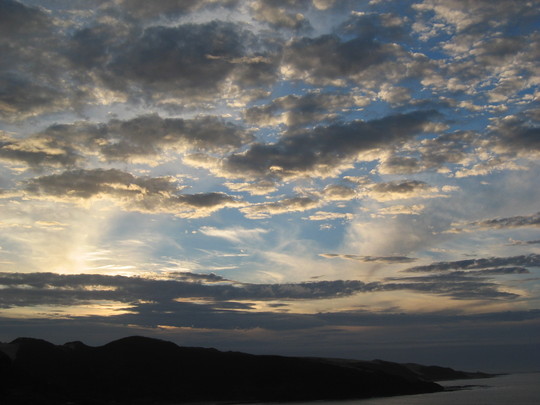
(513, 389)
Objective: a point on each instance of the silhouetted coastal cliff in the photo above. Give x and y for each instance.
(139, 370)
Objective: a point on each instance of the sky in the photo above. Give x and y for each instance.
(331, 178)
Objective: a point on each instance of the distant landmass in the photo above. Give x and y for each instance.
(140, 370)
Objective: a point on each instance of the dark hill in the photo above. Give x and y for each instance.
(139, 370)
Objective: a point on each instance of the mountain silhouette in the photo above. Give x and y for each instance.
(141, 370)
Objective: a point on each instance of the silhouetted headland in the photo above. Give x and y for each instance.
(140, 370)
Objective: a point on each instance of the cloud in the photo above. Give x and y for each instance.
(21, 96)
(325, 150)
(235, 235)
(29, 80)
(475, 16)
(143, 194)
(27, 289)
(329, 216)
(438, 153)
(19, 18)
(169, 8)
(193, 60)
(511, 222)
(142, 139)
(295, 110)
(307, 200)
(177, 67)
(280, 14)
(180, 299)
(287, 205)
(328, 60)
(524, 242)
(336, 192)
(505, 60)
(532, 260)
(398, 190)
(38, 151)
(454, 286)
(402, 210)
(190, 56)
(386, 26)
(517, 134)
(499, 223)
(369, 259)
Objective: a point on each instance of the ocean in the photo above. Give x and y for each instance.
(511, 389)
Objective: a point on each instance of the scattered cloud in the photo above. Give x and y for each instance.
(499, 223)
(326, 150)
(368, 259)
(287, 205)
(328, 216)
(235, 235)
(532, 260)
(399, 190)
(144, 194)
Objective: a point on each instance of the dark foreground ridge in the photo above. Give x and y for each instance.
(139, 370)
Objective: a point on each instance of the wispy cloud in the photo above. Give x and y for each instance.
(235, 235)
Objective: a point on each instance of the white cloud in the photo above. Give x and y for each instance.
(236, 235)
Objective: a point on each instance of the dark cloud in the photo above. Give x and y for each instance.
(53, 288)
(191, 60)
(196, 277)
(399, 190)
(281, 13)
(524, 242)
(501, 223)
(303, 109)
(322, 150)
(532, 260)
(144, 194)
(202, 300)
(327, 59)
(383, 26)
(142, 9)
(189, 56)
(517, 134)
(89, 183)
(91, 47)
(17, 18)
(150, 134)
(406, 187)
(438, 153)
(499, 271)
(461, 284)
(22, 96)
(38, 152)
(141, 138)
(29, 68)
(163, 64)
(369, 259)
(511, 222)
(455, 287)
